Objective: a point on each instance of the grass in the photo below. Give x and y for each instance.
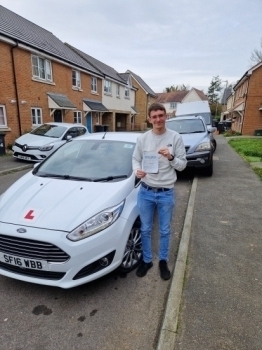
(250, 150)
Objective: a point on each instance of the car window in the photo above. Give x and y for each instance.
(72, 132)
(81, 131)
(186, 126)
(90, 159)
(49, 130)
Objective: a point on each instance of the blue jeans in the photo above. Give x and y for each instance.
(147, 202)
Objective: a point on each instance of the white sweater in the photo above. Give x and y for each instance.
(150, 142)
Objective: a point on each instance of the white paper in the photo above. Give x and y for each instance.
(150, 162)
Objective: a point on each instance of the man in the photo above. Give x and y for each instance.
(158, 153)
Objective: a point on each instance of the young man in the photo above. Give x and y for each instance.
(158, 153)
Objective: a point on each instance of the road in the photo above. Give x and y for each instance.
(114, 312)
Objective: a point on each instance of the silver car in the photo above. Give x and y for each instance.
(196, 136)
(44, 140)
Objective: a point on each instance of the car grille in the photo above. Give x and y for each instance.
(33, 273)
(28, 147)
(16, 154)
(30, 249)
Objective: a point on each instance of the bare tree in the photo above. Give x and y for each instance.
(256, 55)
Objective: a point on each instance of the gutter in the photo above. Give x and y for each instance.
(16, 89)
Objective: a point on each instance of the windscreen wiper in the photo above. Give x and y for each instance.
(65, 177)
(110, 178)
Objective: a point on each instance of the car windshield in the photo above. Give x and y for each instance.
(89, 160)
(186, 126)
(49, 130)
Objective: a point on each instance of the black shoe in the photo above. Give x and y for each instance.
(164, 270)
(143, 268)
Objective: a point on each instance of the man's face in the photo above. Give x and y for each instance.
(157, 119)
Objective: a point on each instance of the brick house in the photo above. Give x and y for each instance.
(145, 96)
(244, 106)
(42, 80)
(170, 100)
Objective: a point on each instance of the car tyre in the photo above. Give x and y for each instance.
(208, 171)
(133, 250)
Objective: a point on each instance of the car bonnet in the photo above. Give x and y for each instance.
(59, 204)
(35, 140)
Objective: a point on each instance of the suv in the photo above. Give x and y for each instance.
(196, 136)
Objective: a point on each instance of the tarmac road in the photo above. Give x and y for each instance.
(114, 312)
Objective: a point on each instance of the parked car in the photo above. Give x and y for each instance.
(45, 139)
(74, 217)
(196, 136)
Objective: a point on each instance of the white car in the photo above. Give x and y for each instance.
(74, 217)
(44, 140)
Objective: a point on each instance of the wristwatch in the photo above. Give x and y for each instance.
(172, 157)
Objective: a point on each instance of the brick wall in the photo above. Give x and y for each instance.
(34, 92)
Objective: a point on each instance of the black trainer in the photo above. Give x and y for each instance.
(164, 270)
(143, 268)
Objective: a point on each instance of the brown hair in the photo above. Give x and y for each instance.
(156, 107)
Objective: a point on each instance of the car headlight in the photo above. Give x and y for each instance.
(205, 146)
(96, 223)
(47, 147)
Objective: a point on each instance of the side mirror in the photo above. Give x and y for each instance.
(69, 137)
(211, 129)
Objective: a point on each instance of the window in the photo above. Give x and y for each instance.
(93, 84)
(117, 90)
(42, 68)
(127, 92)
(78, 117)
(76, 78)
(2, 116)
(36, 116)
(107, 87)
(173, 105)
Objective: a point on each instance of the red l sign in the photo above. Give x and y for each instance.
(29, 215)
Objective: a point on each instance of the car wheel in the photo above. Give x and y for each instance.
(208, 171)
(214, 145)
(133, 251)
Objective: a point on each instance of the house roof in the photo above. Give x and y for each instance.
(227, 92)
(173, 96)
(201, 94)
(102, 67)
(95, 105)
(20, 29)
(61, 100)
(142, 83)
(246, 75)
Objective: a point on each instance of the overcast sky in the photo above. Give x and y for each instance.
(166, 42)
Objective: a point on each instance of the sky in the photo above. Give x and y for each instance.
(165, 42)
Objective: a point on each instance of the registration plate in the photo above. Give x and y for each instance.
(24, 157)
(24, 262)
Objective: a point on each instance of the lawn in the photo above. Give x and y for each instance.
(250, 150)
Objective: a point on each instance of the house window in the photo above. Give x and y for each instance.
(42, 68)
(127, 93)
(36, 116)
(173, 105)
(117, 90)
(107, 87)
(2, 116)
(76, 78)
(78, 117)
(94, 84)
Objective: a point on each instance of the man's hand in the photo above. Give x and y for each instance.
(140, 174)
(165, 153)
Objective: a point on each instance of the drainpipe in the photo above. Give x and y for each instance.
(16, 90)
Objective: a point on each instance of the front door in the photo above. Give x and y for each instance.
(89, 122)
(58, 116)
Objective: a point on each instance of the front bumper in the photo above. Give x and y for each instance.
(30, 155)
(199, 159)
(83, 262)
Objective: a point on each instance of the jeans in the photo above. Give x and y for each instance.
(147, 202)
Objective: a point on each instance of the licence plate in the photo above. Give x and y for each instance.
(24, 262)
(24, 157)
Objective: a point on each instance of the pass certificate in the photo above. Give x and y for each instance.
(150, 162)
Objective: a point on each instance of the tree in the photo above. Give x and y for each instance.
(181, 87)
(256, 55)
(214, 89)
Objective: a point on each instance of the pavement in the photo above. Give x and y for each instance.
(215, 297)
